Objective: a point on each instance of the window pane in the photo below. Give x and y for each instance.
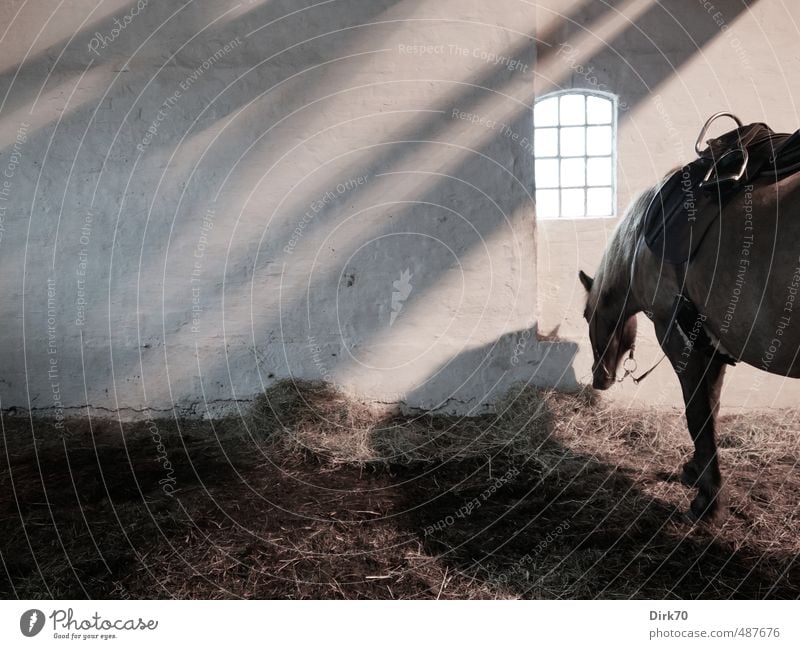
(598, 140)
(573, 110)
(598, 110)
(547, 203)
(598, 202)
(547, 173)
(545, 142)
(572, 202)
(573, 172)
(574, 144)
(598, 171)
(545, 112)
(573, 141)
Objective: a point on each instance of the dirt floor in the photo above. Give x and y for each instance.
(314, 496)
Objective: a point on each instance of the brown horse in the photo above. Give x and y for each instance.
(744, 281)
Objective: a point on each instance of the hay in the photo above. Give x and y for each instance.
(316, 495)
(314, 419)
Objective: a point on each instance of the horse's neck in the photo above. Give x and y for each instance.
(654, 284)
(633, 273)
(618, 266)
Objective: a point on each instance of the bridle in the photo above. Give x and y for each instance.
(629, 366)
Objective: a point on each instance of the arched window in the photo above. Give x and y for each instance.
(575, 142)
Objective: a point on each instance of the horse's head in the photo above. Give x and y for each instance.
(612, 331)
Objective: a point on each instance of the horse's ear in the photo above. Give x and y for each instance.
(586, 281)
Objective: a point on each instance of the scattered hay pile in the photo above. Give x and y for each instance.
(620, 464)
(313, 418)
(764, 437)
(316, 495)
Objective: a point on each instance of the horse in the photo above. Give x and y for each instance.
(744, 282)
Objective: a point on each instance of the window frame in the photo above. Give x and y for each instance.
(585, 93)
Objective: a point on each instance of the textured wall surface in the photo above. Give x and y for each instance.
(198, 199)
(211, 196)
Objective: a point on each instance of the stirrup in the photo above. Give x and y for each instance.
(712, 178)
(734, 176)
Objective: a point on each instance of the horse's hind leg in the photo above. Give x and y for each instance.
(701, 382)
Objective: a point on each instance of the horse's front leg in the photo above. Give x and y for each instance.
(701, 390)
(701, 382)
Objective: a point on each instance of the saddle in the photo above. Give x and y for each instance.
(688, 202)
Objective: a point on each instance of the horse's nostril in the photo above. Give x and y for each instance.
(602, 382)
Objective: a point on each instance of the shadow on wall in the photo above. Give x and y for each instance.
(472, 381)
(163, 254)
(151, 313)
(645, 51)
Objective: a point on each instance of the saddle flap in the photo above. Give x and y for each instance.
(679, 215)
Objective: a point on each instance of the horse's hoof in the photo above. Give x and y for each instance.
(703, 508)
(689, 518)
(690, 475)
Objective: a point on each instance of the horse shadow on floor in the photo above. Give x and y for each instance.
(548, 521)
(578, 527)
(582, 530)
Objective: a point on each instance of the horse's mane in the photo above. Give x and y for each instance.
(615, 267)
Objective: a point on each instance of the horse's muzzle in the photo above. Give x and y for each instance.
(602, 382)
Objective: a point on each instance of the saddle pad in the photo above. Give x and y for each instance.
(680, 214)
